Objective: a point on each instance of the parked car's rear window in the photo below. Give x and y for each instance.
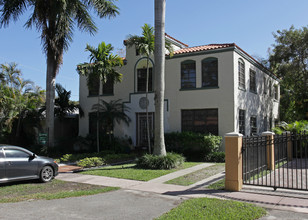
(14, 153)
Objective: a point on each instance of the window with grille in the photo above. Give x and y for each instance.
(242, 122)
(241, 74)
(188, 74)
(276, 92)
(210, 72)
(253, 125)
(252, 81)
(141, 80)
(200, 121)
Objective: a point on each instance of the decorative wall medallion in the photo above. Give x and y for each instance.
(143, 102)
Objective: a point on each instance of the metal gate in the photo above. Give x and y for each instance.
(279, 161)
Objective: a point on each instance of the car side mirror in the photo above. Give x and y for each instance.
(32, 156)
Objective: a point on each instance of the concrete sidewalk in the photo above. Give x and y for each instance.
(296, 201)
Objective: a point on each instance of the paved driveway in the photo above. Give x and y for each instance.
(120, 204)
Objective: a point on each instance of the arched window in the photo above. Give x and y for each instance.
(210, 72)
(141, 75)
(188, 74)
(241, 74)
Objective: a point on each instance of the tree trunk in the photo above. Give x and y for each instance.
(159, 56)
(50, 99)
(147, 107)
(97, 116)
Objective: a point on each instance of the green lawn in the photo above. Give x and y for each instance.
(219, 185)
(194, 177)
(207, 208)
(130, 171)
(56, 189)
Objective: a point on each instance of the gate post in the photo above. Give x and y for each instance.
(234, 161)
(270, 151)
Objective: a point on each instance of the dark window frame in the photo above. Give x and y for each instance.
(108, 87)
(141, 79)
(209, 67)
(276, 92)
(242, 121)
(253, 125)
(241, 74)
(252, 81)
(188, 74)
(200, 120)
(95, 82)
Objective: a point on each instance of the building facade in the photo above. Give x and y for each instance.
(216, 88)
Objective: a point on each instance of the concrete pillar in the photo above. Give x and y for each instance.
(270, 150)
(234, 161)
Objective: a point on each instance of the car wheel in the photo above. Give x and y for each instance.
(46, 174)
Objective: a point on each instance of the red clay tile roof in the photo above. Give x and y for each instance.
(203, 48)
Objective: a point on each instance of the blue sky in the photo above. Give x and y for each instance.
(249, 24)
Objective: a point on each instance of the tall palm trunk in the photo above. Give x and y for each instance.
(147, 108)
(159, 56)
(97, 117)
(50, 98)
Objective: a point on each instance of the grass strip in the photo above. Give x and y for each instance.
(130, 171)
(219, 185)
(54, 190)
(197, 176)
(209, 208)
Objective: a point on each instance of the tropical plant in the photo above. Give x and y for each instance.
(56, 21)
(9, 74)
(145, 46)
(110, 113)
(297, 126)
(102, 68)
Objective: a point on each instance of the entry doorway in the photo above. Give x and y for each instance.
(142, 138)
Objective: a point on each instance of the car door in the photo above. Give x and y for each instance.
(2, 163)
(19, 164)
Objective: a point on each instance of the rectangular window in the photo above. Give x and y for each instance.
(93, 124)
(270, 88)
(108, 88)
(93, 84)
(141, 80)
(200, 120)
(253, 125)
(265, 85)
(270, 123)
(210, 72)
(275, 92)
(252, 81)
(188, 74)
(265, 124)
(241, 74)
(242, 122)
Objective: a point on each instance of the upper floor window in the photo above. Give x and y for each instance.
(210, 72)
(188, 74)
(252, 81)
(108, 87)
(270, 88)
(93, 84)
(276, 92)
(264, 85)
(141, 80)
(241, 74)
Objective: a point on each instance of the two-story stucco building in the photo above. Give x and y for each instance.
(215, 88)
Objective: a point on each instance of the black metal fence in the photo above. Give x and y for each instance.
(278, 162)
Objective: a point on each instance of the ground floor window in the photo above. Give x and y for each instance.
(200, 121)
(253, 125)
(242, 122)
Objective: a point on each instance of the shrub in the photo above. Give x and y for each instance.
(170, 161)
(193, 146)
(217, 157)
(90, 162)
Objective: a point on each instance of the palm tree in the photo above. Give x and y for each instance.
(102, 68)
(63, 105)
(9, 74)
(111, 112)
(159, 57)
(56, 20)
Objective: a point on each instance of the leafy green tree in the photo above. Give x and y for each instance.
(56, 20)
(110, 113)
(101, 68)
(289, 60)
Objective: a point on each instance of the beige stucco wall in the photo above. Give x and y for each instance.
(227, 98)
